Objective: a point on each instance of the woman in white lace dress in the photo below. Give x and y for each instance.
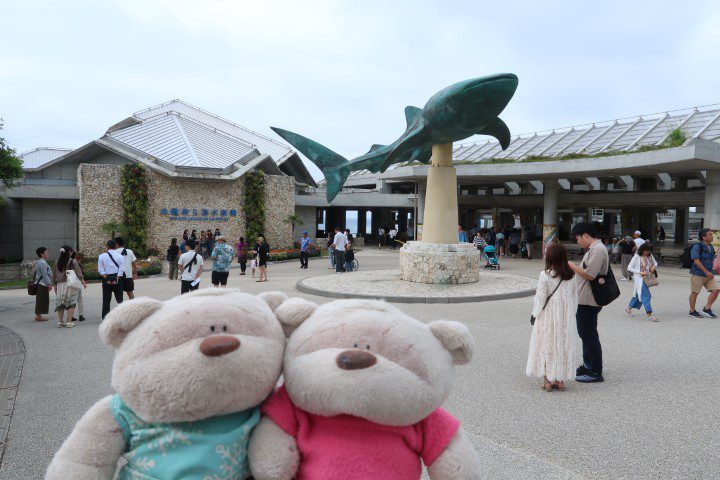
(552, 344)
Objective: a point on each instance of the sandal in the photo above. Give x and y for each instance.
(547, 386)
(653, 318)
(258, 281)
(628, 310)
(560, 386)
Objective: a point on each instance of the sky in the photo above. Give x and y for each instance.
(339, 72)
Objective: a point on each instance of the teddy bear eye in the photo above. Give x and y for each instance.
(224, 328)
(355, 345)
(212, 328)
(367, 347)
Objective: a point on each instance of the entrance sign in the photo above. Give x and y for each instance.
(199, 214)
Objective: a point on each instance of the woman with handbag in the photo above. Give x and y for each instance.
(68, 283)
(643, 266)
(42, 281)
(554, 333)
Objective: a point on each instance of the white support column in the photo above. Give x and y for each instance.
(550, 212)
(441, 203)
(712, 201)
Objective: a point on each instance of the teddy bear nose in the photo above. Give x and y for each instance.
(219, 345)
(355, 359)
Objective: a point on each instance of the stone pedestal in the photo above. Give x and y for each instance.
(439, 263)
(440, 218)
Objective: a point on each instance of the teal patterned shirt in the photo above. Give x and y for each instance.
(210, 449)
(223, 255)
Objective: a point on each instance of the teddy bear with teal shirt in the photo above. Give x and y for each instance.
(190, 374)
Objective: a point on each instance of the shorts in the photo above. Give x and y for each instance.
(262, 262)
(219, 278)
(128, 284)
(697, 283)
(186, 286)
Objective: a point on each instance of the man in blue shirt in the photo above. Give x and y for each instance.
(305, 243)
(702, 255)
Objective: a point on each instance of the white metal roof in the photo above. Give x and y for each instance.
(262, 143)
(40, 156)
(613, 136)
(178, 140)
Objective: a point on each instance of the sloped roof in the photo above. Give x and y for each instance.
(40, 156)
(622, 135)
(262, 143)
(183, 142)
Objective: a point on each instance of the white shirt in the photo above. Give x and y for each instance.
(106, 266)
(190, 272)
(392, 233)
(340, 241)
(129, 259)
(638, 241)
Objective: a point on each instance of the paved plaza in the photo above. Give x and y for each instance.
(656, 415)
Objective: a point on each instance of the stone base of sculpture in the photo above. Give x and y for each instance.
(440, 263)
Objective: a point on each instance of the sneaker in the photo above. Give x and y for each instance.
(590, 378)
(582, 370)
(695, 313)
(81, 318)
(709, 313)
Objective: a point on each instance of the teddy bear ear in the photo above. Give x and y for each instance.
(273, 299)
(456, 338)
(126, 316)
(292, 313)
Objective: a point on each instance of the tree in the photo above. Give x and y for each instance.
(10, 165)
(294, 220)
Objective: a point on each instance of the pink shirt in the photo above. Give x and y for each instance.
(353, 448)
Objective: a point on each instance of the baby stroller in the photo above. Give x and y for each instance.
(491, 259)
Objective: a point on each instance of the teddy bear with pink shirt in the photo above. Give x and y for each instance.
(363, 388)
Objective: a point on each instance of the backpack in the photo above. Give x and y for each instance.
(685, 260)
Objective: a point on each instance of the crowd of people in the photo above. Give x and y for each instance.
(340, 249)
(186, 260)
(117, 267)
(508, 241)
(567, 305)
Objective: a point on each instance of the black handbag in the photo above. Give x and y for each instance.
(32, 287)
(605, 288)
(532, 317)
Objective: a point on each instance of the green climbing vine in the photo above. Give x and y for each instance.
(136, 204)
(254, 205)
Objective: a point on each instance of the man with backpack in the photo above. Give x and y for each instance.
(110, 267)
(596, 262)
(702, 255)
(191, 267)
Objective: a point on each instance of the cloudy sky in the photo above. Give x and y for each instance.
(341, 72)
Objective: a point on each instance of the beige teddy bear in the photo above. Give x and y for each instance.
(189, 374)
(363, 387)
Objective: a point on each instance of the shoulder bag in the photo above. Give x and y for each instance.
(650, 280)
(532, 317)
(32, 287)
(605, 288)
(73, 281)
(188, 267)
(111, 278)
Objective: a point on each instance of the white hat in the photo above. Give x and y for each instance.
(638, 232)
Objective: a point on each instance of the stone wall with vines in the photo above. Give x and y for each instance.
(135, 204)
(254, 205)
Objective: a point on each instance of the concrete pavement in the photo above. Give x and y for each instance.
(654, 417)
